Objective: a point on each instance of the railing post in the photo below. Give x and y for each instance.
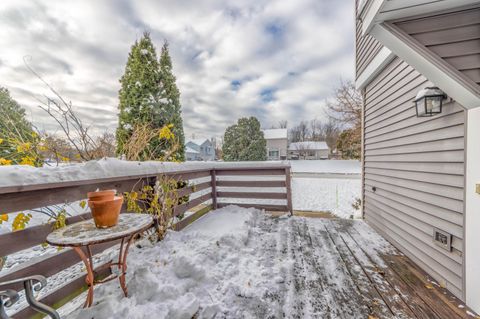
(288, 180)
(213, 174)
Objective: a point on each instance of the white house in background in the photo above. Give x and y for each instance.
(199, 150)
(308, 150)
(277, 143)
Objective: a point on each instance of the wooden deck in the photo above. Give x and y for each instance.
(344, 269)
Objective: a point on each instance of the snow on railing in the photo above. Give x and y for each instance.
(216, 185)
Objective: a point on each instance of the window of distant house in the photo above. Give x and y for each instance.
(273, 153)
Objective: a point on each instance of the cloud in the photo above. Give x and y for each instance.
(274, 59)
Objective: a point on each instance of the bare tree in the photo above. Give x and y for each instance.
(282, 124)
(346, 110)
(75, 131)
(300, 133)
(105, 145)
(332, 132)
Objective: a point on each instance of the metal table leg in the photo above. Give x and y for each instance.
(122, 263)
(90, 278)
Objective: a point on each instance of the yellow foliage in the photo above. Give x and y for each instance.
(24, 147)
(1, 140)
(27, 160)
(20, 221)
(166, 133)
(83, 203)
(3, 218)
(4, 161)
(60, 220)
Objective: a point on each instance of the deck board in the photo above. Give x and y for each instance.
(341, 271)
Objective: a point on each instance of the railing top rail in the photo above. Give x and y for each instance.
(65, 177)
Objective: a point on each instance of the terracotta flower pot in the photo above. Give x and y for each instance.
(101, 195)
(105, 213)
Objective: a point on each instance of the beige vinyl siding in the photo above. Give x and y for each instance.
(455, 37)
(417, 168)
(366, 48)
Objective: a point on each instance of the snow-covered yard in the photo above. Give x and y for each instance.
(240, 263)
(326, 194)
(326, 185)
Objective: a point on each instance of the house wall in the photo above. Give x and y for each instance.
(207, 152)
(414, 172)
(277, 144)
(453, 36)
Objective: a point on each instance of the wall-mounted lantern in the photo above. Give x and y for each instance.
(429, 101)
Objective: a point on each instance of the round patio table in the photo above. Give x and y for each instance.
(83, 235)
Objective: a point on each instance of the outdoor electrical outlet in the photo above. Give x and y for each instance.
(477, 188)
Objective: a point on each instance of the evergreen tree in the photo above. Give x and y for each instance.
(170, 102)
(244, 141)
(149, 95)
(349, 144)
(15, 129)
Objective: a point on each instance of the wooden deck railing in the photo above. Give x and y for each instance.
(207, 181)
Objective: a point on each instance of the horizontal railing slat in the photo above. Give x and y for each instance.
(273, 208)
(193, 189)
(252, 195)
(190, 219)
(251, 184)
(50, 265)
(180, 209)
(188, 176)
(16, 202)
(250, 172)
(31, 236)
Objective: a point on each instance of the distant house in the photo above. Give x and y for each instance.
(277, 143)
(308, 150)
(199, 150)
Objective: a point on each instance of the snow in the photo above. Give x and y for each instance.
(277, 133)
(144, 51)
(232, 263)
(191, 150)
(198, 141)
(326, 194)
(327, 166)
(299, 146)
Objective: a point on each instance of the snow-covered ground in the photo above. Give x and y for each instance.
(232, 263)
(326, 194)
(326, 185)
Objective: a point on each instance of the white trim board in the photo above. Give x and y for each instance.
(383, 57)
(371, 14)
(472, 211)
(435, 69)
(384, 10)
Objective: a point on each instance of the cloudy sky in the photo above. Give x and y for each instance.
(274, 59)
